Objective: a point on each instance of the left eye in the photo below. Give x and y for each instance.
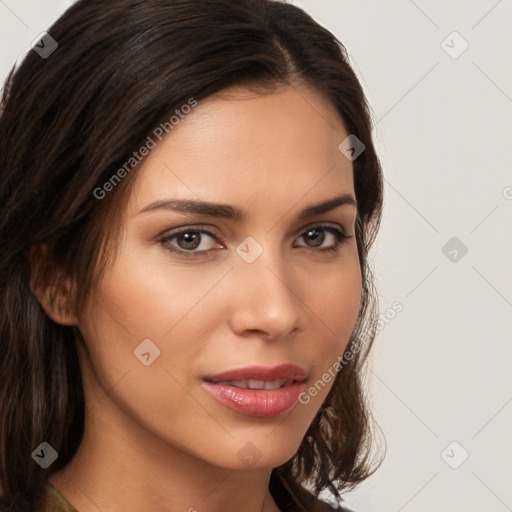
(189, 242)
(317, 236)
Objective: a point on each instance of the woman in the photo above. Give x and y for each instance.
(190, 192)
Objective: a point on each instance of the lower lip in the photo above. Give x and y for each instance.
(257, 402)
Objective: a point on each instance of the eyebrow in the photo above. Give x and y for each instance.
(227, 211)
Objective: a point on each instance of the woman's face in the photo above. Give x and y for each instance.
(228, 293)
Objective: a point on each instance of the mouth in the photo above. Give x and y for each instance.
(250, 376)
(258, 390)
(257, 384)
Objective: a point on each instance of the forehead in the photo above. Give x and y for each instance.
(242, 147)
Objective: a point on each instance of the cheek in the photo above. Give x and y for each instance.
(140, 308)
(156, 302)
(151, 300)
(334, 300)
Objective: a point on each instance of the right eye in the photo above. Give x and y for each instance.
(187, 242)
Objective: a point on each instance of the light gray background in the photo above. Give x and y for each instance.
(440, 370)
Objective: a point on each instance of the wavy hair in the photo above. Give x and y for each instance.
(69, 121)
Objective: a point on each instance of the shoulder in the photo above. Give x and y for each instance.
(314, 504)
(287, 503)
(321, 506)
(53, 501)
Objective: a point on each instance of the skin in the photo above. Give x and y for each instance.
(154, 438)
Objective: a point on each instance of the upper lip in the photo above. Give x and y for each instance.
(265, 373)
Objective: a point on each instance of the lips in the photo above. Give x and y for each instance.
(285, 372)
(258, 390)
(257, 384)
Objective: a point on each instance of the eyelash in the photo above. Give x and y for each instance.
(340, 236)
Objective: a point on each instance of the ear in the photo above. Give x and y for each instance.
(51, 287)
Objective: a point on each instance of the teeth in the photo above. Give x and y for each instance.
(275, 384)
(256, 384)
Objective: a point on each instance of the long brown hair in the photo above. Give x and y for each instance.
(69, 121)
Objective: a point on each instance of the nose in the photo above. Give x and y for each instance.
(265, 298)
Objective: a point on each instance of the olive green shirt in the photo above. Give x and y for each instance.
(53, 501)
